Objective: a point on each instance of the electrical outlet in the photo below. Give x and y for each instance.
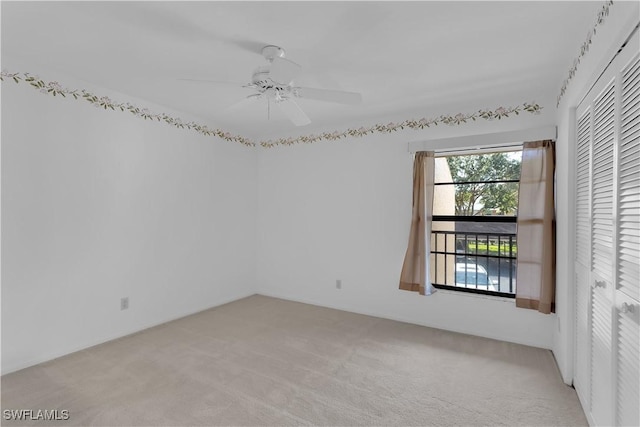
(338, 284)
(124, 303)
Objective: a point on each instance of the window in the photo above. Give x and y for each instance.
(473, 234)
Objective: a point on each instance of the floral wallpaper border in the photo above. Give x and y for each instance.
(54, 88)
(602, 14)
(104, 102)
(414, 124)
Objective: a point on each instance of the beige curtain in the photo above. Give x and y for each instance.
(535, 285)
(415, 270)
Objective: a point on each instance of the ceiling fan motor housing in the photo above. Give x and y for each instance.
(261, 81)
(260, 75)
(270, 51)
(274, 82)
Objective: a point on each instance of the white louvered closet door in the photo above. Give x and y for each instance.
(607, 244)
(602, 251)
(627, 309)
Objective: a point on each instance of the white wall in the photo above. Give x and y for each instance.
(623, 16)
(342, 210)
(99, 205)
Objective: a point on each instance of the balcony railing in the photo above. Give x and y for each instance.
(474, 262)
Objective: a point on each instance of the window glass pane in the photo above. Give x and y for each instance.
(476, 199)
(476, 254)
(481, 167)
(482, 227)
(472, 184)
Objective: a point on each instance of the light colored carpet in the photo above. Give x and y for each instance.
(266, 361)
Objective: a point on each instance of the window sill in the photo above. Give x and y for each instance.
(502, 298)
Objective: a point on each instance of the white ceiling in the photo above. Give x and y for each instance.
(403, 57)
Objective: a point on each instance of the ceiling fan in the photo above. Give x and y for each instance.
(274, 82)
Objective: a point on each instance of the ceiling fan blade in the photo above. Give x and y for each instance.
(248, 45)
(283, 71)
(219, 82)
(249, 100)
(293, 112)
(338, 96)
(159, 20)
(168, 21)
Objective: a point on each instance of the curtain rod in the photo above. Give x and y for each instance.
(484, 141)
(480, 150)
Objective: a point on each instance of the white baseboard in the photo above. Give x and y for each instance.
(398, 319)
(102, 340)
(585, 408)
